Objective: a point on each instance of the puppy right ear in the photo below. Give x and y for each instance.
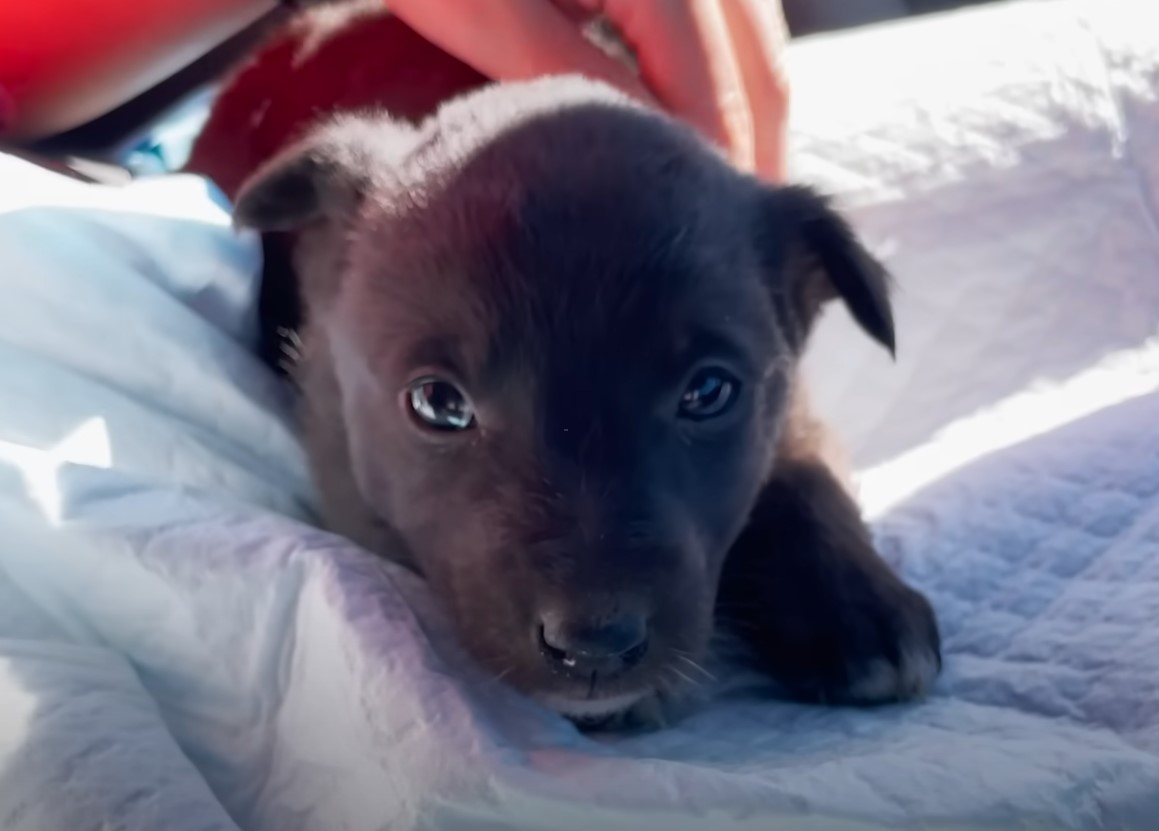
(324, 176)
(833, 263)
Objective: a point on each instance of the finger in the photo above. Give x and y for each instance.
(514, 40)
(685, 54)
(759, 35)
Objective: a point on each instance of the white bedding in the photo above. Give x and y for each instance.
(179, 649)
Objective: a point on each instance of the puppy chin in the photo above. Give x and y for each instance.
(590, 709)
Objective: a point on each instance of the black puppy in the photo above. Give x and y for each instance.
(549, 360)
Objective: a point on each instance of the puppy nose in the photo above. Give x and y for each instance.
(608, 648)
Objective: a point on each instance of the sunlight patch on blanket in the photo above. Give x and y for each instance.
(17, 708)
(1032, 412)
(87, 445)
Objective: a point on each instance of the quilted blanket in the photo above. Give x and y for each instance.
(181, 648)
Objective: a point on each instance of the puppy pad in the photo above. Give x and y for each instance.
(181, 648)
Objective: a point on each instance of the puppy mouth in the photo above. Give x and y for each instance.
(591, 710)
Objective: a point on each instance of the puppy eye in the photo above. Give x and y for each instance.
(710, 393)
(440, 405)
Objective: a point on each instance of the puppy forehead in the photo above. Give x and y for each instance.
(590, 231)
(597, 284)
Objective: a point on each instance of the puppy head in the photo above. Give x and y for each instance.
(563, 334)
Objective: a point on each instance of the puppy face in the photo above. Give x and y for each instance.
(561, 336)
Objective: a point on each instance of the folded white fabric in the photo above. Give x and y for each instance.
(180, 649)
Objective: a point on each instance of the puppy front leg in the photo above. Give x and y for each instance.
(804, 588)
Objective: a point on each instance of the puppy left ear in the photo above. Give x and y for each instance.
(828, 261)
(324, 175)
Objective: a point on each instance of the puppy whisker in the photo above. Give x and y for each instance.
(687, 660)
(499, 676)
(689, 681)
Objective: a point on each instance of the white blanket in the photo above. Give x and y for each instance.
(180, 649)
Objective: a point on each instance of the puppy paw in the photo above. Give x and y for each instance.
(854, 634)
(904, 661)
(879, 649)
(816, 606)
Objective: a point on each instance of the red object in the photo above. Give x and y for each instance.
(65, 62)
(329, 59)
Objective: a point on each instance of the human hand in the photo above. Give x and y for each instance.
(714, 63)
